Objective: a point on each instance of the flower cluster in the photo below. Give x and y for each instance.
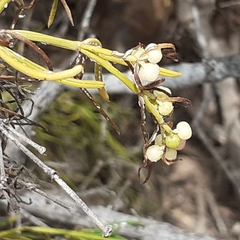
(163, 105)
(158, 101)
(144, 64)
(149, 71)
(166, 146)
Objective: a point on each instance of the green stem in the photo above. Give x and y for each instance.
(3, 4)
(156, 114)
(43, 38)
(132, 86)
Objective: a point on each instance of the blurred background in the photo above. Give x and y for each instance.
(201, 193)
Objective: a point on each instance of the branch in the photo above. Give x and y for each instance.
(7, 131)
(210, 70)
(150, 229)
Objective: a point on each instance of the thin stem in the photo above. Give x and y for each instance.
(43, 38)
(42, 165)
(27, 140)
(106, 229)
(86, 19)
(157, 116)
(132, 86)
(3, 4)
(51, 198)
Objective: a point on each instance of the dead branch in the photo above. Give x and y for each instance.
(148, 229)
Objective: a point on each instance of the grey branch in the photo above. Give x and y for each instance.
(212, 70)
(51, 172)
(209, 70)
(148, 229)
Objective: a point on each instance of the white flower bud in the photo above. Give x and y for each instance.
(165, 108)
(159, 140)
(171, 154)
(184, 130)
(149, 72)
(154, 153)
